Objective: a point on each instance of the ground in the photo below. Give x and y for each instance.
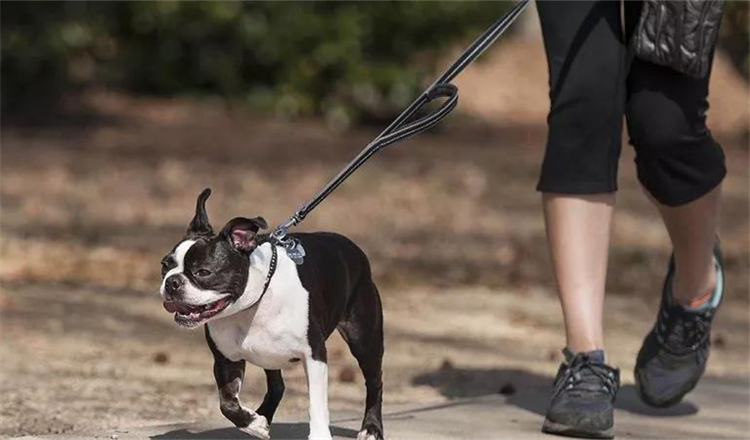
(450, 222)
(716, 410)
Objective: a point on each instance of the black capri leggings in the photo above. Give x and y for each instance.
(592, 86)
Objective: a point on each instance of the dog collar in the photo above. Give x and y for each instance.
(271, 272)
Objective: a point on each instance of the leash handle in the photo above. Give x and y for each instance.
(399, 129)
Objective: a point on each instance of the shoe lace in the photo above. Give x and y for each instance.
(584, 375)
(681, 330)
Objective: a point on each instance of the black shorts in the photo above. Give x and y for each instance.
(592, 84)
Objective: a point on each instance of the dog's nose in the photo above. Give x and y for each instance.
(173, 284)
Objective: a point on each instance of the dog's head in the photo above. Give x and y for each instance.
(205, 276)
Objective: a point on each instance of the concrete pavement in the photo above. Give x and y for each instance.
(717, 409)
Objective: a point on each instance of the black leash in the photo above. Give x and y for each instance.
(399, 129)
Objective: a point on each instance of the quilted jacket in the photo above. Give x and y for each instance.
(680, 34)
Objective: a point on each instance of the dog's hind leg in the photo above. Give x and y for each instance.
(274, 393)
(229, 375)
(362, 329)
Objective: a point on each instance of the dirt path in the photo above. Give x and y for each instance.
(96, 358)
(717, 409)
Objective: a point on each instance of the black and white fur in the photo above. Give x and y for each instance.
(217, 280)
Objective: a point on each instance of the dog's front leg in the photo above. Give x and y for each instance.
(317, 386)
(229, 375)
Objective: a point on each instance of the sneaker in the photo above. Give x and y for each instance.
(583, 399)
(674, 355)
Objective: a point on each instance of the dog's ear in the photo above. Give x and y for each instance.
(241, 232)
(199, 226)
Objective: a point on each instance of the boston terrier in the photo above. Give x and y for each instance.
(259, 306)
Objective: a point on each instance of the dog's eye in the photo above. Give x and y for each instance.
(203, 273)
(164, 268)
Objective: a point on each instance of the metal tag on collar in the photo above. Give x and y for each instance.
(294, 250)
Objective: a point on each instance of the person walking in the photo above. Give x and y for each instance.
(594, 80)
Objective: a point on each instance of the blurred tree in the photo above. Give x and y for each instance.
(348, 61)
(345, 60)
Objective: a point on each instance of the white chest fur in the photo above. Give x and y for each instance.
(272, 334)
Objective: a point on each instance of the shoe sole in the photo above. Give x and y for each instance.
(551, 427)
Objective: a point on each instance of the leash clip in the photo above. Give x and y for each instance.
(279, 234)
(293, 247)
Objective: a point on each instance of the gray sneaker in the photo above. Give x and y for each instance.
(582, 403)
(674, 354)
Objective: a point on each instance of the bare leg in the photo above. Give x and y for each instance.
(692, 229)
(578, 237)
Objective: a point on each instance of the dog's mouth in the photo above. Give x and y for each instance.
(189, 315)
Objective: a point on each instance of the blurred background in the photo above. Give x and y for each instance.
(116, 114)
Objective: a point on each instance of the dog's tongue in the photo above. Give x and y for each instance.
(172, 307)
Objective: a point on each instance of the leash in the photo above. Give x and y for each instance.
(399, 129)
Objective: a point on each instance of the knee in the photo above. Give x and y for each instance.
(677, 159)
(657, 127)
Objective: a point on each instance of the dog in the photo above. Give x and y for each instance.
(259, 306)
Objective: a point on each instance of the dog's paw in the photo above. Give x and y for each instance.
(367, 434)
(258, 428)
(320, 434)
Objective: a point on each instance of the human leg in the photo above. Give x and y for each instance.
(586, 59)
